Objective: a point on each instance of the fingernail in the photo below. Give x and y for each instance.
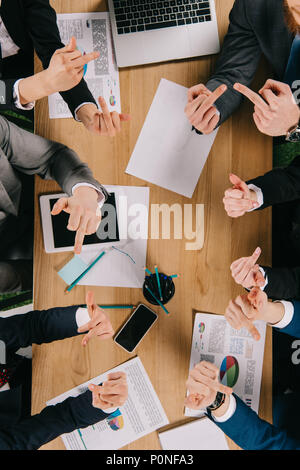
(92, 387)
(257, 250)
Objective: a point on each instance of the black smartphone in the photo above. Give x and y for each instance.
(135, 328)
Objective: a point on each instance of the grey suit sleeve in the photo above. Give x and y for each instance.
(238, 60)
(32, 154)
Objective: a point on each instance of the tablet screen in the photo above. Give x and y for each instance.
(108, 230)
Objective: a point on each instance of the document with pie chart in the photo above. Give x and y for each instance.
(237, 355)
(141, 414)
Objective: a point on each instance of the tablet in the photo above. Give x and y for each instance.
(58, 238)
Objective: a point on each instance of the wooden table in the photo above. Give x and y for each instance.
(206, 284)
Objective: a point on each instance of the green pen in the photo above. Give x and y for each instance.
(159, 303)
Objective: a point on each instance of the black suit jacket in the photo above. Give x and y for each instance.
(281, 185)
(256, 27)
(18, 431)
(32, 26)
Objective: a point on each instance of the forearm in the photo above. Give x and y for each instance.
(280, 184)
(32, 154)
(34, 88)
(65, 417)
(78, 95)
(250, 432)
(283, 283)
(232, 65)
(38, 327)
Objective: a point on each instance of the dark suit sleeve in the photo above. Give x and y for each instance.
(283, 283)
(238, 60)
(42, 27)
(280, 184)
(65, 417)
(293, 328)
(250, 432)
(32, 154)
(38, 326)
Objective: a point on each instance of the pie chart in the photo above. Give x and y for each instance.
(229, 371)
(115, 421)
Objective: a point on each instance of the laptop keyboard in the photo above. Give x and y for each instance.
(146, 15)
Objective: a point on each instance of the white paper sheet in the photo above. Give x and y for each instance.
(92, 33)
(141, 414)
(168, 152)
(116, 269)
(201, 434)
(214, 340)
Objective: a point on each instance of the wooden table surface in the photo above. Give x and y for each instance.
(205, 285)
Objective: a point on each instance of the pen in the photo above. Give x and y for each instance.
(158, 301)
(70, 287)
(158, 282)
(147, 271)
(117, 306)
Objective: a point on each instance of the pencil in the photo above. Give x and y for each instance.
(174, 275)
(159, 303)
(117, 306)
(158, 282)
(147, 271)
(70, 287)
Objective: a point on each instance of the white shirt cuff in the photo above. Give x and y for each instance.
(229, 413)
(259, 195)
(82, 316)
(16, 95)
(110, 410)
(78, 108)
(5, 388)
(101, 197)
(288, 314)
(266, 278)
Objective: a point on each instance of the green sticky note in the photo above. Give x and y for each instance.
(72, 269)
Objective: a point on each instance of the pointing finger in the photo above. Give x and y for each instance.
(252, 96)
(85, 59)
(255, 255)
(211, 99)
(239, 183)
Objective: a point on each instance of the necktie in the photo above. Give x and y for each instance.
(5, 374)
(292, 72)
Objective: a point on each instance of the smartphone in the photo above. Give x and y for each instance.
(135, 328)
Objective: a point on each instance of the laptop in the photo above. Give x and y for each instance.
(147, 31)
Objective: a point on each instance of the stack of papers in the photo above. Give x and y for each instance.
(238, 356)
(141, 414)
(201, 434)
(92, 32)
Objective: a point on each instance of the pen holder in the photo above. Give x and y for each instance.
(167, 288)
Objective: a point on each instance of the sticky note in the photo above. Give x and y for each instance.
(72, 269)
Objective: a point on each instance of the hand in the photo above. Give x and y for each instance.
(200, 109)
(66, 67)
(101, 123)
(113, 392)
(239, 199)
(245, 309)
(203, 386)
(246, 272)
(278, 112)
(85, 215)
(99, 325)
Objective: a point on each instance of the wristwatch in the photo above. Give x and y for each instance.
(293, 134)
(219, 400)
